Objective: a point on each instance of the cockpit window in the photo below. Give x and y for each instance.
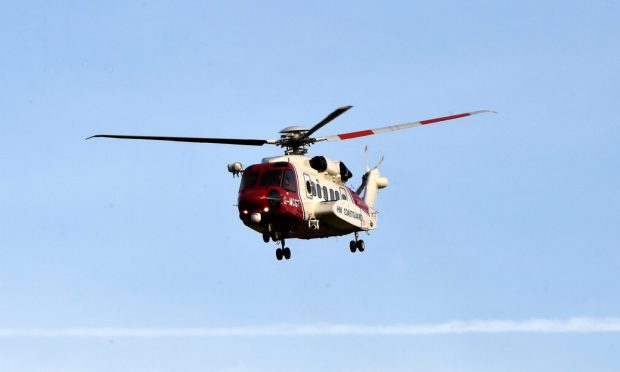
(271, 178)
(288, 182)
(275, 177)
(248, 180)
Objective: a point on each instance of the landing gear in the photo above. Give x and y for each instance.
(270, 234)
(357, 244)
(284, 252)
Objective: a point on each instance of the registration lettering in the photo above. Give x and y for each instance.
(290, 201)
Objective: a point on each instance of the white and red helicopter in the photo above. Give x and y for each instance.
(296, 196)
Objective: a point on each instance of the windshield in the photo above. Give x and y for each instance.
(284, 178)
(277, 177)
(248, 180)
(271, 178)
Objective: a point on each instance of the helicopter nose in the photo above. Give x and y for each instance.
(273, 199)
(255, 217)
(259, 201)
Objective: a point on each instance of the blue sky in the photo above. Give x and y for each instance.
(507, 217)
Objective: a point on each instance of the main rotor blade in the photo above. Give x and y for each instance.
(225, 141)
(339, 111)
(391, 128)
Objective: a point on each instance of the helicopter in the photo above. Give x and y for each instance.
(297, 196)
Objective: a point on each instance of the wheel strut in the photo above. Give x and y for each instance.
(357, 244)
(284, 252)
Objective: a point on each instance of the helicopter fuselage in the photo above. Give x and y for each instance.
(288, 197)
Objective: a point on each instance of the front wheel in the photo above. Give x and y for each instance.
(360, 245)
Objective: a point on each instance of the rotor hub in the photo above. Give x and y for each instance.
(293, 141)
(294, 129)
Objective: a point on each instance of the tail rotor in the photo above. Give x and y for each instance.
(364, 184)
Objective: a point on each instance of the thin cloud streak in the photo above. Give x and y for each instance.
(572, 325)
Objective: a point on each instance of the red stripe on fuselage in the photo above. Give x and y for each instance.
(357, 200)
(361, 133)
(431, 121)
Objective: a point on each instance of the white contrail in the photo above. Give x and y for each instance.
(571, 325)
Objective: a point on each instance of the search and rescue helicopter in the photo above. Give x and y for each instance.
(296, 196)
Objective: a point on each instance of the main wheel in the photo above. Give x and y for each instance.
(287, 253)
(360, 245)
(279, 254)
(266, 237)
(352, 246)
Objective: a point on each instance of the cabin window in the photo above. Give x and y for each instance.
(313, 188)
(309, 186)
(288, 181)
(331, 195)
(325, 193)
(248, 180)
(318, 190)
(343, 194)
(337, 195)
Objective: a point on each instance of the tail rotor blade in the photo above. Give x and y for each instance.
(380, 161)
(363, 185)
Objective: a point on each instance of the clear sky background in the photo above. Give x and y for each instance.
(510, 217)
